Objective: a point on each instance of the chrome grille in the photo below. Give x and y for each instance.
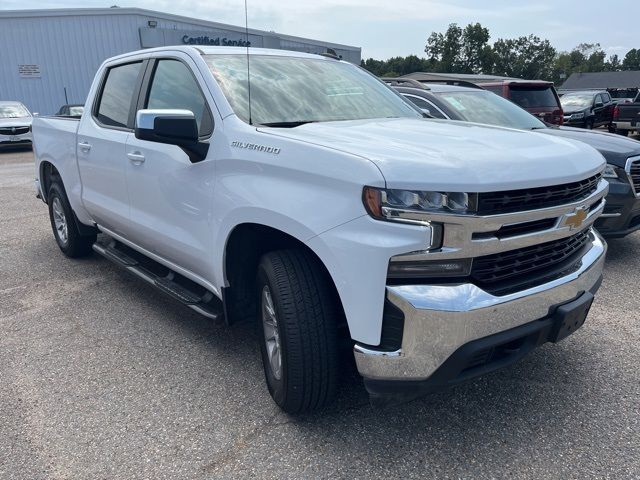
(13, 130)
(513, 269)
(633, 170)
(536, 198)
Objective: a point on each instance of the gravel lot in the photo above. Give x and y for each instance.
(103, 377)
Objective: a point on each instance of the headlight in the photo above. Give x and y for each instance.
(410, 206)
(577, 116)
(610, 171)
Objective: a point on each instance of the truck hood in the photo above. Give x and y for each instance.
(453, 156)
(16, 122)
(614, 148)
(574, 109)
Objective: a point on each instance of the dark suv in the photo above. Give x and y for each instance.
(588, 109)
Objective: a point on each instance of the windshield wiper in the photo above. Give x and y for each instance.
(287, 124)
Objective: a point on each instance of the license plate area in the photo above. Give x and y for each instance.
(570, 317)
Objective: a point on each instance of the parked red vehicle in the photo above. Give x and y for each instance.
(536, 96)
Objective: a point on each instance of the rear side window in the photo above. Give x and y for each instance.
(497, 89)
(533, 97)
(117, 93)
(422, 103)
(174, 87)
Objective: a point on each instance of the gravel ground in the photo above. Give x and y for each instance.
(103, 377)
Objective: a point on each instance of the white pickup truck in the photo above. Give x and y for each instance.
(316, 202)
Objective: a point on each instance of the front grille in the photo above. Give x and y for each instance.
(510, 271)
(634, 173)
(13, 130)
(536, 198)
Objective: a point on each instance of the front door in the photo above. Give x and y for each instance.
(170, 197)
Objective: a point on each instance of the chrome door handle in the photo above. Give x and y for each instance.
(136, 157)
(84, 146)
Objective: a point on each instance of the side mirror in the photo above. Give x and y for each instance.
(173, 127)
(426, 113)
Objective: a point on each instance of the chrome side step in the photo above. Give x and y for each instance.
(171, 283)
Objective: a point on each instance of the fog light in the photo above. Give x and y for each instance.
(399, 268)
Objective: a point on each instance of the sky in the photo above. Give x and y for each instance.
(386, 28)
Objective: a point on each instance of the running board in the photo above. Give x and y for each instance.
(171, 283)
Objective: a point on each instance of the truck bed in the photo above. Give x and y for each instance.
(55, 141)
(628, 112)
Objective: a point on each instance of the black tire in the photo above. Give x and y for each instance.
(588, 124)
(611, 129)
(307, 317)
(71, 242)
(624, 133)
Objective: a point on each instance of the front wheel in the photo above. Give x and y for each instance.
(588, 124)
(298, 317)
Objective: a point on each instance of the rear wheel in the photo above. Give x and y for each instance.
(63, 223)
(298, 316)
(624, 133)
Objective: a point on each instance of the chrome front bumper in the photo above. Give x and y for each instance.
(439, 319)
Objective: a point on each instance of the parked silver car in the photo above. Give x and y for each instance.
(15, 124)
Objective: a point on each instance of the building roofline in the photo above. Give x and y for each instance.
(70, 12)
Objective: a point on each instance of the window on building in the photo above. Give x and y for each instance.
(174, 87)
(117, 94)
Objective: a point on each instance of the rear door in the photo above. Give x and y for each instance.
(171, 197)
(101, 143)
(598, 109)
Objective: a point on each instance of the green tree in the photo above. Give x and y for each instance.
(613, 64)
(476, 54)
(631, 60)
(524, 57)
(444, 50)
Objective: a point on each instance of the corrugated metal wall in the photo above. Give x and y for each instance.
(70, 48)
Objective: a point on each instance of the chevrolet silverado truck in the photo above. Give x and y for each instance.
(626, 117)
(299, 192)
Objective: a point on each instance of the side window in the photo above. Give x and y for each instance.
(606, 98)
(599, 99)
(497, 89)
(117, 94)
(422, 103)
(174, 87)
(418, 102)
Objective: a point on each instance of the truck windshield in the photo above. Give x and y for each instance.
(485, 107)
(577, 100)
(15, 110)
(290, 91)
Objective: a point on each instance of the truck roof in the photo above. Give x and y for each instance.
(213, 50)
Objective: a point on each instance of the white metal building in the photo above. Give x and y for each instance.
(49, 57)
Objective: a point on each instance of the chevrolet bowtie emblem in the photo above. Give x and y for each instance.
(13, 130)
(576, 219)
